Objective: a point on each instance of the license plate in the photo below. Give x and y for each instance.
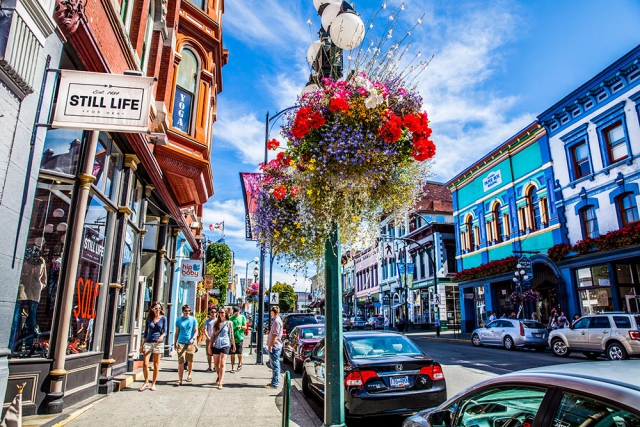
(537, 335)
(399, 381)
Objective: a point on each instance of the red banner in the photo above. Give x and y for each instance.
(250, 188)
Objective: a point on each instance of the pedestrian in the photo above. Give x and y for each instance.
(185, 342)
(553, 321)
(208, 332)
(534, 316)
(438, 326)
(512, 315)
(576, 317)
(239, 330)
(152, 343)
(562, 320)
(274, 346)
(221, 343)
(386, 322)
(493, 316)
(504, 316)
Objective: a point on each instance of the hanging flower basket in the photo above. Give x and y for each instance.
(515, 298)
(529, 296)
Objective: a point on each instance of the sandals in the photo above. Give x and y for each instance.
(189, 379)
(239, 367)
(209, 370)
(219, 386)
(153, 388)
(144, 387)
(177, 384)
(233, 371)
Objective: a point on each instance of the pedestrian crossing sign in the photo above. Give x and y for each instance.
(274, 298)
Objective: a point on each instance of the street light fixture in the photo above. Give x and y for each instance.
(520, 276)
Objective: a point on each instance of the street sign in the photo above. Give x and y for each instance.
(388, 252)
(436, 299)
(525, 264)
(274, 298)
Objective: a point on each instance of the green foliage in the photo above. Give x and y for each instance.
(287, 296)
(201, 317)
(219, 264)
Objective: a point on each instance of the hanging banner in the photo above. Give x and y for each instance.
(103, 102)
(250, 188)
(191, 270)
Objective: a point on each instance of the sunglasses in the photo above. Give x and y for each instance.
(186, 311)
(155, 308)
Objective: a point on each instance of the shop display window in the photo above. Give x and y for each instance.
(90, 278)
(106, 165)
(128, 282)
(62, 149)
(596, 300)
(593, 276)
(38, 289)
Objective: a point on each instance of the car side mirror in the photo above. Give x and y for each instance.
(439, 418)
(486, 326)
(306, 353)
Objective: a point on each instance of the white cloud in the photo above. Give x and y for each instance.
(243, 132)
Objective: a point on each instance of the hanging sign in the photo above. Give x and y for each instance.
(103, 102)
(250, 188)
(191, 270)
(92, 246)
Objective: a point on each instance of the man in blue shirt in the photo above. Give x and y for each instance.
(185, 342)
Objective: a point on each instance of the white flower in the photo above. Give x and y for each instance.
(373, 100)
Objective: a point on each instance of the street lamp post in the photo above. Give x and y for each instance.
(520, 276)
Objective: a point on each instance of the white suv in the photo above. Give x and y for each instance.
(615, 334)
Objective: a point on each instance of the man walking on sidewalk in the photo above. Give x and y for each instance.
(239, 327)
(274, 346)
(185, 342)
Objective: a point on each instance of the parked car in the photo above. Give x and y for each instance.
(345, 322)
(297, 319)
(357, 323)
(614, 334)
(511, 334)
(320, 318)
(301, 339)
(376, 322)
(603, 394)
(384, 373)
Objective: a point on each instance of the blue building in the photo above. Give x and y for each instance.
(594, 138)
(504, 207)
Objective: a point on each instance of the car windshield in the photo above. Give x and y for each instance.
(533, 324)
(292, 322)
(312, 333)
(366, 347)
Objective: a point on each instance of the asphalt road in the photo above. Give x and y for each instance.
(464, 365)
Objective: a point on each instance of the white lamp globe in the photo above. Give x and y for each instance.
(329, 14)
(309, 88)
(318, 3)
(515, 279)
(48, 228)
(312, 52)
(347, 31)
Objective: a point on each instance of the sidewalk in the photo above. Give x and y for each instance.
(447, 336)
(244, 400)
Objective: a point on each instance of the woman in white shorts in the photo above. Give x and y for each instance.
(153, 343)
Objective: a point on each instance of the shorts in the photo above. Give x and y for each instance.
(238, 348)
(185, 352)
(223, 350)
(153, 347)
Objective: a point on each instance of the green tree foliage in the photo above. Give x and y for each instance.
(219, 264)
(286, 295)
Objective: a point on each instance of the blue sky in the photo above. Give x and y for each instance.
(496, 65)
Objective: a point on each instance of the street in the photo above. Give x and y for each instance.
(463, 364)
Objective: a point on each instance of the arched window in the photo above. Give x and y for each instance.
(533, 204)
(185, 95)
(497, 221)
(471, 240)
(627, 209)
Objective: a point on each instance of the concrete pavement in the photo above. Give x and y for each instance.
(243, 401)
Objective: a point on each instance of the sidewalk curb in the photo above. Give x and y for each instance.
(63, 419)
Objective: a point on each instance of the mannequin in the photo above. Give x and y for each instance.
(32, 281)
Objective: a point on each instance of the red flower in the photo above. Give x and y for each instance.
(316, 120)
(338, 104)
(423, 149)
(280, 192)
(283, 160)
(272, 144)
(413, 123)
(295, 190)
(391, 129)
(300, 129)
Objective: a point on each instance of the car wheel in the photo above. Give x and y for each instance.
(305, 385)
(508, 343)
(615, 351)
(559, 348)
(475, 340)
(591, 355)
(296, 368)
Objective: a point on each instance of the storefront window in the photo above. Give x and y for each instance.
(478, 298)
(135, 199)
(147, 269)
(38, 288)
(62, 150)
(452, 305)
(127, 281)
(593, 276)
(106, 165)
(596, 300)
(89, 280)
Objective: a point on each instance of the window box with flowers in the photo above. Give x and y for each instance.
(492, 268)
(616, 239)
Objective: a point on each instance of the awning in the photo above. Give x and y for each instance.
(320, 303)
(312, 305)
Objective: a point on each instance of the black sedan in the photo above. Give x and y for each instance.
(385, 373)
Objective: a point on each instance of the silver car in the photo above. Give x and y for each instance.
(512, 333)
(602, 394)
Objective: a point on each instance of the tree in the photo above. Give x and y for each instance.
(287, 296)
(219, 265)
